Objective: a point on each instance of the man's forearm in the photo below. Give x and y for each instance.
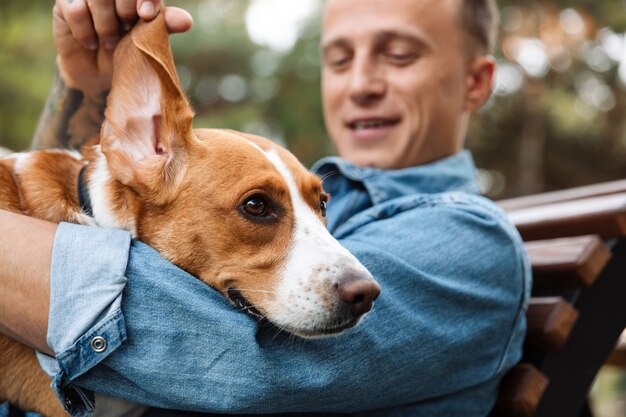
(25, 253)
(70, 118)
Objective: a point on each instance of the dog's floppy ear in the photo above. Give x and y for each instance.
(148, 121)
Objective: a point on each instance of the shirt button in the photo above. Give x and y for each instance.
(98, 344)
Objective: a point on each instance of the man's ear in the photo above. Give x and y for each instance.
(148, 121)
(479, 82)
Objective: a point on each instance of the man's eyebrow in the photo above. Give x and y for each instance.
(386, 36)
(379, 39)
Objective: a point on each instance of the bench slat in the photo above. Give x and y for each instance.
(567, 263)
(520, 392)
(577, 193)
(604, 216)
(550, 322)
(565, 234)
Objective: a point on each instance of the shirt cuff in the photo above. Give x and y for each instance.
(85, 324)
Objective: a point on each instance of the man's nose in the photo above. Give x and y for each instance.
(367, 82)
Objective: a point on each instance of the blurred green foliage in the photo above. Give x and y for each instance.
(550, 127)
(26, 68)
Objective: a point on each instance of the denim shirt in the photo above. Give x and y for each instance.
(448, 324)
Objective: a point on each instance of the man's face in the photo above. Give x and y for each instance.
(394, 80)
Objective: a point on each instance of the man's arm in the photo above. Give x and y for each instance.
(449, 320)
(70, 118)
(25, 251)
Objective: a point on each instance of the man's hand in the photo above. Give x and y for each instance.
(86, 33)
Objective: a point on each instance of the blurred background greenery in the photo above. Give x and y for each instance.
(556, 118)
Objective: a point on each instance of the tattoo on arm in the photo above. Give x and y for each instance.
(70, 119)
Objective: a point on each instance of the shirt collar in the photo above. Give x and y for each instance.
(453, 173)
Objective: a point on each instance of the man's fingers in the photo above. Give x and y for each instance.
(63, 37)
(78, 19)
(127, 13)
(177, 20)
(95, 22)
(105, 22)
(148, 9)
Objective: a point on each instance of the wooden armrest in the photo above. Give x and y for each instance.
(550, 322)
(569, 343)
(561, 196)
(618, 356)
(520, 392)
(567, 263)
(604, 216)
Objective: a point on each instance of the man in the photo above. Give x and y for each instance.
(400, 79)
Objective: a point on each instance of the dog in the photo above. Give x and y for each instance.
(235, 210)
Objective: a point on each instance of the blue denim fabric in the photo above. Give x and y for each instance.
(7, 410)
(448, 324)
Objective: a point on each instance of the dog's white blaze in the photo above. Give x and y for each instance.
(99, 192)
(316, 261)
(21, 161)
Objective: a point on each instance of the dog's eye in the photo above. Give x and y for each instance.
(323, 204)
(259, 208)
(256, 206)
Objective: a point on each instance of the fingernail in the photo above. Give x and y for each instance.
(147, 9)
(93, 45)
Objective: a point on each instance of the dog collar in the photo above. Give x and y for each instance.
(83, 193)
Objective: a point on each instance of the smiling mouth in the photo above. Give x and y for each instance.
(372, 124)
(235, 296)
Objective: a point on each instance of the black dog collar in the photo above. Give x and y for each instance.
(83, 193)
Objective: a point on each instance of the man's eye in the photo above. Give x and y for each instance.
(337, 60)
(339, 63)
(401, 58)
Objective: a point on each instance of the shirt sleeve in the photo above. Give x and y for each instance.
(86, 284)
(454, 286)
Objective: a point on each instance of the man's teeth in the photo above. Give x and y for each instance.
(369, 124)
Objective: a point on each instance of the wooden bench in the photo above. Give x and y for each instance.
(576, 241)
(618, 356)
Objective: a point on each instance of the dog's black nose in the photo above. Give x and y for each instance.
(358, 294)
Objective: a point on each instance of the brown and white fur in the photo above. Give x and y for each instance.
(235, 210)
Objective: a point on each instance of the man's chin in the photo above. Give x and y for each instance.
(370, 159)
